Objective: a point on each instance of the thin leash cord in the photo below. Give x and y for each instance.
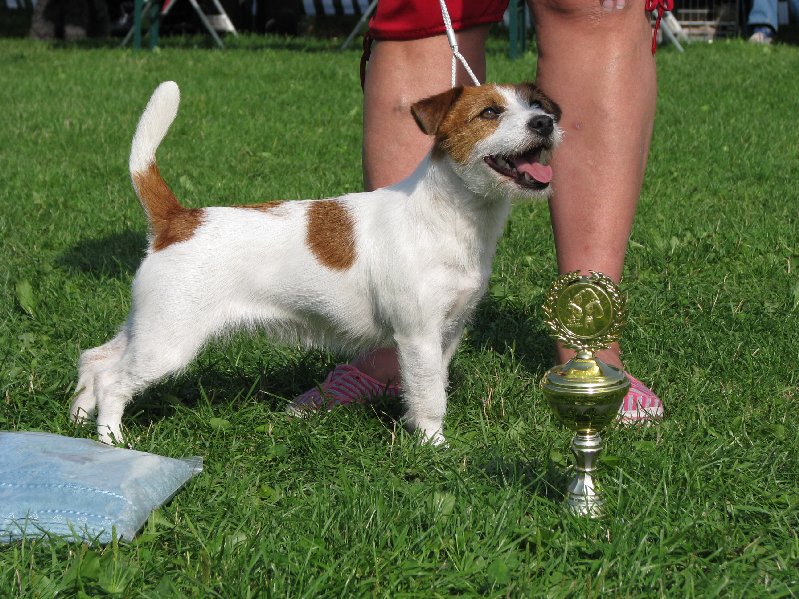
(453, 43)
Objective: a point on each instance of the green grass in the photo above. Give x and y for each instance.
(346, 504)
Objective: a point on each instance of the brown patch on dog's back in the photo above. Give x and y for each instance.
(180, 228)
(169, 221)
(262, 206)
(331, 234)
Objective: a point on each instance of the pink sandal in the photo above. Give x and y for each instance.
(347, 385)
(344, 385)
(640, 405)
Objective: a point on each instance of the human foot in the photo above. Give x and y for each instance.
(640, 405)
(762, 35)
(344, 385)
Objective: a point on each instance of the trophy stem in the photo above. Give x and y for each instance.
(584, 497)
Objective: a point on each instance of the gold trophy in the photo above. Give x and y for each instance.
(585, 313)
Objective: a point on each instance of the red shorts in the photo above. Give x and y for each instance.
(415, 19)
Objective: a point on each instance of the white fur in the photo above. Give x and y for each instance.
(424, 251)
(154, 123)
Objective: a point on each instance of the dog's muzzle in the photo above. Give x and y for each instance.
(527, 169)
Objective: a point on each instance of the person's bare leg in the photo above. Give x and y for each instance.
(399, 74)
(597, 64)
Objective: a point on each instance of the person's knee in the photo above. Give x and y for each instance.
(588, 15)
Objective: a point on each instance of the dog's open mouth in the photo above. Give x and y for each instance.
(528, 169)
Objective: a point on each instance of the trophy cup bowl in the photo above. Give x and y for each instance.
(585, 313)
(585, 404)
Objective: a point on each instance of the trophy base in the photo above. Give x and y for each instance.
(586, 507)
(583, 497)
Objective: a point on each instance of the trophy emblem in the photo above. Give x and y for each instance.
(585, 313)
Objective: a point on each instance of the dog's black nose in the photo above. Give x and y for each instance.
(541, 124)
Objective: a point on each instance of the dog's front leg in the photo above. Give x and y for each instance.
(424, 379)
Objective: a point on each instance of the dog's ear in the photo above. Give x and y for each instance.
(430, 112)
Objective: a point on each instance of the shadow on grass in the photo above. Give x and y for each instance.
(110, 256)
(539, 477)
(279, 379)
(215, 380)
(504, 328)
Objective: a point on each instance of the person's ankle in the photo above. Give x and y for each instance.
(611, 355)
(764, 27)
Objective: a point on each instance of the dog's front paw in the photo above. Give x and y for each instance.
(436, 439)
(430, 429)
(110, 434)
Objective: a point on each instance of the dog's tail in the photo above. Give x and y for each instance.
(156, 198)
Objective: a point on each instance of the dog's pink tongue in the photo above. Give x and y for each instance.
(540, 172)
(537, 171)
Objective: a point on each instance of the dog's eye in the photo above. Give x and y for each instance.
(492, 112)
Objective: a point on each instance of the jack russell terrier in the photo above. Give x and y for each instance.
(401, 266)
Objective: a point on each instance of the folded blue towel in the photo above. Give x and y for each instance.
(81, 489)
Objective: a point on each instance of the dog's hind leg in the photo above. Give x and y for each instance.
(91, 362)
(424, 379)
(150, 356)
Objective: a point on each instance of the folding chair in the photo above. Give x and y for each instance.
(357, 29)
(158, 11)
